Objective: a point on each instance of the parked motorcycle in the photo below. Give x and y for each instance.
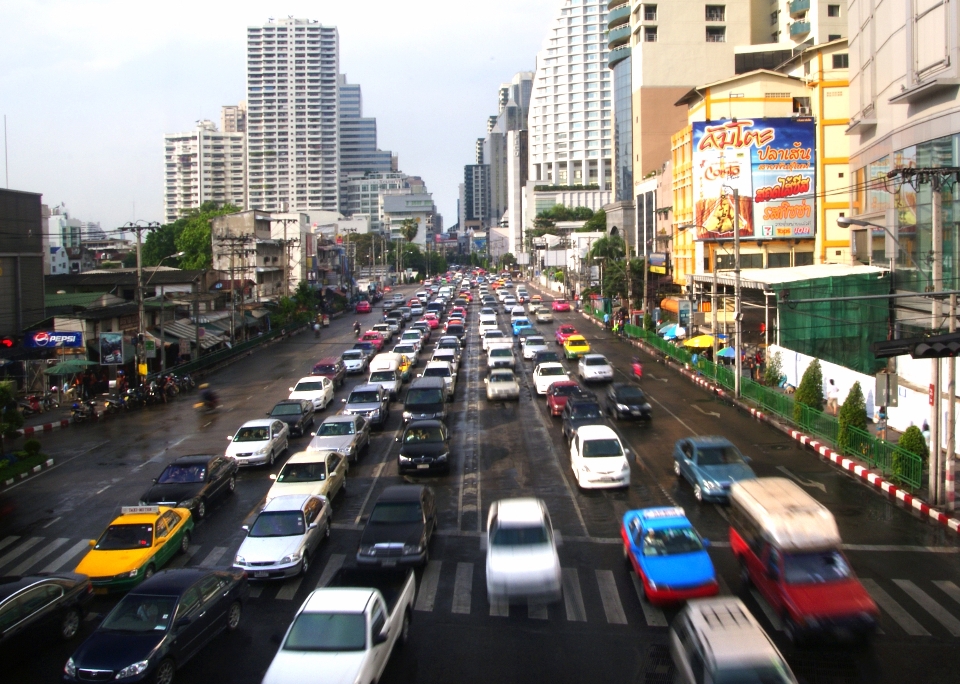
(83, 410)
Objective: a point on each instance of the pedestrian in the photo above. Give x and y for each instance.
(833, 397)
(606, 321)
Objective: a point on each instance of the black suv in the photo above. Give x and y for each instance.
(578, 412)
(399, 529)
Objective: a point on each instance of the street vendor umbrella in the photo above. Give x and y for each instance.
(668, 329)
(700, 342)
(69, 367)
(676, 333)
(727, 353)
(665, 326)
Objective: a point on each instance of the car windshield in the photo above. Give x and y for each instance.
(138, 613)
(311, 386)
(598, 361)
(352, 355)
(327, 632)
(324, 369)
(287, 410)
(423, 435)
(410, 336)
(125, 537)
(535, 342)
(336, 429)
(303, 472)
(774, 672)
(585, 411)
(721, 455)
(548, 356)
(494, 333)
(454, 327)
(397, 512)
(564, 390)
(501, 351)
(501, 377)
(383, 376)
(364, 398)
(630, 394)
(404, 349)
(436, 372)
(670, 541)
(815, 568)
(252, 434)
(182, 473)
(552, 370)
(567, 329)
(520, 536)
(417, 397)
(278, 524)
(599, 448)
(573, 342)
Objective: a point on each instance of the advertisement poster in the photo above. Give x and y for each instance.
(772, 165)
(111, 348)
(49, 339)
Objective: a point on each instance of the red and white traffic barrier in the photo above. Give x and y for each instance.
(46, 427)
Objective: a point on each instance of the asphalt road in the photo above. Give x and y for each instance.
(600, 631)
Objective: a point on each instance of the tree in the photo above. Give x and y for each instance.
(547, 218)
(10, 418)
(595, 224)
(508, 260)
(810, 391)
(409, 228)
(853, 413)
(911, 440)
(610, 248)
(190, 234)
(773, 371)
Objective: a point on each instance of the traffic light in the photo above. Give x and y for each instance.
(6, 343)
(938, 347)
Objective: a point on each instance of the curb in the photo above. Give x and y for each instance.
(906, 500)
(23, 476)
(45, 427)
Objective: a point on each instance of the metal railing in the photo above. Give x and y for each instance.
(214, 358)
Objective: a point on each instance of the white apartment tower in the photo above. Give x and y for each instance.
(233, 118)
(570, 111)
(203, 165)
(293, 116)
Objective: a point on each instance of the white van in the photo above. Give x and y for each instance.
(385, 371)
(488, 322)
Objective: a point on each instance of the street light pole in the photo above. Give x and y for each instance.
(738, 322)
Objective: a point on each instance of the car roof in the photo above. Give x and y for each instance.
(519, 510)
(11, 584)
(596, 432)
(171, 582)
(576, 338)
(309, 378)
(318, 456)
(424, 424)
(427, 383)
(595, 356)
(339, 418)
(287, 502)
(729, 630)
(709, 441)
(661, 517)
(365, 388)
(259, 422)
(407, 492)
(197, 458)
(337, 600)
(549, 364)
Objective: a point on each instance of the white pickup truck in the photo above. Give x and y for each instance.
(344, 633)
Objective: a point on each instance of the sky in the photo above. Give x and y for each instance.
(90, 87)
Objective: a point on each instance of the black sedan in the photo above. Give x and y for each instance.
(424, 446)
(399, 529)
(624, 400)
(159, 626)
(578, 412)
(297, 413)
(546, 357)
(193, 482)
(35, 607)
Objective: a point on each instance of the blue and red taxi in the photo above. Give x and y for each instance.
(668, 554)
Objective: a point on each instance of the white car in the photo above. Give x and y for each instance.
(450, 356)
(544, 315)
(354, 360)
(488, 311)
(321, 473)
(594, 368)
(502, 384)
(548, 373)
(411, 351)
(533, 307)
(494, 337)
(517, 312)
(487, 323)
(531, 345)
(416, 310)
(598, 459)
(522, 559)
(414, 337)
(314, 388)
(442, 369)
(259, 442)
(501, 356)
(509, 302)
(284, 536)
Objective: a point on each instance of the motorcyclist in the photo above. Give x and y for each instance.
(356, 328)
(637, 367)
(209, 397)
(316, 330)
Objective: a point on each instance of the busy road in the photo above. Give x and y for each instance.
(601, 629)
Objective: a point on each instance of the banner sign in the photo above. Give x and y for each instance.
(49, 339)
(771, 162)
(658, 263)
(111, 349)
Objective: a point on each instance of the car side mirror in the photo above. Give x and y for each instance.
(747, 459)
(342, 401)
(289, 389)
(313, 434)
(267, 413)
(273, 476)
(245, 528)
(486, 381)
(313, 526)
(380, 638)
(154, 480)
(93, 543)
(229, 438)
(184, 621)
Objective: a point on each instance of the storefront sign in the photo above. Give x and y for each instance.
(50, 339)
(658, 263)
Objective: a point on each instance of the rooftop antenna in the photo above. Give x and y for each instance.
(6, 161)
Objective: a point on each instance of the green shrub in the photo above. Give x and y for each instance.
(773, 371)
(31, 447)
(912, 440)
(648, 323)
(853, 413)
(810, 391)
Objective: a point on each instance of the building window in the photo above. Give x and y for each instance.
(716, 34)
(834, 36)
(649, 12)
(778, 260)
(716, 12)
(650, 34)
(774, 18)
(803, 259)
(841, 61)
(833, 10)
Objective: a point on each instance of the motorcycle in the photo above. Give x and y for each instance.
(636, 368)
(356, 329)
(83, 410)
(112, 404)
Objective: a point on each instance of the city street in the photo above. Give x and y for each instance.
(600, 631)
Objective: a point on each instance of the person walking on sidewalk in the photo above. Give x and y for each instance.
(833, 397)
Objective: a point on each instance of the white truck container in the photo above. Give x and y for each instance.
(346, 631)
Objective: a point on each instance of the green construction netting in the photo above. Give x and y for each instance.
(841, 332)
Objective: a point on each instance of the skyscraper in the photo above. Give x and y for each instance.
(359, 154)
(293, 115)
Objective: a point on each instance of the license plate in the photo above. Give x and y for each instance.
(261, 573)
(389, 563)
(423, 466)
(100, 590)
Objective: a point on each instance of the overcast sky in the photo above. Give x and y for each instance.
(89, 87)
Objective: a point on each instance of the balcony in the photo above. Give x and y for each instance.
(617, 55)
(619, 16)
(798, 7)
(618, 36)
(799, 28)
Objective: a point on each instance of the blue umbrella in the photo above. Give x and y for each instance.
(665, 326)
(668, 330)
(727, 353)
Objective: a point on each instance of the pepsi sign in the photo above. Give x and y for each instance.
(50, 339)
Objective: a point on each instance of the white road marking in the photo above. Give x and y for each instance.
(674, 415)
(462, 586)
(893, 609)
(706, 413)
(256, 590)
(653, 615)
(799, 480)
(499, 608)
(572, 596)
(38, 556)
(610, 597)
(938, 612)
(902, 549)
(101, 491)
(156, 456)
(23, 548)
(427, 596)
(51, 522)
(66, 556)
(767, 610)
(7, 541)
(216, 553)
(373, 484)
(289, 588)
(950, 589)
(537, 610)
(330, 569)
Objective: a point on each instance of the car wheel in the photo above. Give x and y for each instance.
(185, 542)
(676, 468)
(273, 457)
(745, 582)
(404, 629)
(698, 493)
(70, 624)
(626, 557)
(232, 484)
(201, 510)
(791, 630)
(326, 530)
(233, 616)
(164, 673)
(305, 563)
(148, 573)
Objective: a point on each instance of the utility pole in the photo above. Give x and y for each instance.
(738, 323)
(713, 306)
(951, 413)
(139, 228)
(936, 276)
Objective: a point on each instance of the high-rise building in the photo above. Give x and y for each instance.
(396, 206)
(363, 193)
(203, 165)
(805, 22)
(293, 115)
(233, 118)
(476, 194)
(359, 154)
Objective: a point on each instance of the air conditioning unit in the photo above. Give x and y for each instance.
(802, 111)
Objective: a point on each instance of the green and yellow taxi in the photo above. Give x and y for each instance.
(135, 545)
(576, 346)
(405, 369)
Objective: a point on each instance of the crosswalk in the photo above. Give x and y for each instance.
(911, 607)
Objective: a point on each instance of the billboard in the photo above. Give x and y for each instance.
(111, 349)
(771, 162)
(658, 262)
(49, 339)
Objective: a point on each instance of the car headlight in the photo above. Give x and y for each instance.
(407, 415)
(133, 573)
(410, 549)
(710, 484)
(585, 468)
(626, 467)
(403, 459)
(260, 451)
(375, 413)
(133, 670)
(623, 407)
(443, 457)
(189, 503)
(345, 449)
(70, 669)
(240, 560)
(651, 584)
(365, 550)
(292, 558)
